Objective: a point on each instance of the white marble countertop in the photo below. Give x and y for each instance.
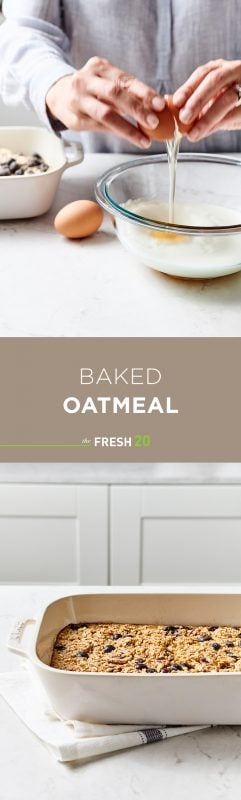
(53, 287)
(202, 764)
(122, 473)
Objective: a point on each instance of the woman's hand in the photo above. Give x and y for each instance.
(209, 98)
(100, 96)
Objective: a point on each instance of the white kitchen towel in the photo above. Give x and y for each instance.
(74, 740)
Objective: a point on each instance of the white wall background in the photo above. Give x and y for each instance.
(16, 116)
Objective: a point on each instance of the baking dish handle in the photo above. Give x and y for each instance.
(16, 635)
(74, 153)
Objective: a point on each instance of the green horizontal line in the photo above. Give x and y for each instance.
(45, 445)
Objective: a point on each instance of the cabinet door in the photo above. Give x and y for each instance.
(175, 534)
(53, 534)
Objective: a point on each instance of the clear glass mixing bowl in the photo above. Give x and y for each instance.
(208, 195)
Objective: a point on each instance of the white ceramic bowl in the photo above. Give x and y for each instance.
(32, 195)
(174, 699)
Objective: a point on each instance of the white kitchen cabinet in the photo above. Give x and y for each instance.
(175, 534)
(101, 534)
(53, 534)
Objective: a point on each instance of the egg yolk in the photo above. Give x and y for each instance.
(168, 237)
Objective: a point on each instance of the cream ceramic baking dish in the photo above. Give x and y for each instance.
(31, 195)
(174, 699)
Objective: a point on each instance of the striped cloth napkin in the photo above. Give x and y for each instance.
(74, 740)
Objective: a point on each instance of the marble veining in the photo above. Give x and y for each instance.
(122, 473)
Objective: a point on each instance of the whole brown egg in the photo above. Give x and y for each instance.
(79, 219)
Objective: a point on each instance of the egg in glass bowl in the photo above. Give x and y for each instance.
(204, 238)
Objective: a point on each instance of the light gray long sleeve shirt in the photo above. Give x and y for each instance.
(160, 41)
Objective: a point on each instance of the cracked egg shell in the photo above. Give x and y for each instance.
(165, 128)
(176, 111)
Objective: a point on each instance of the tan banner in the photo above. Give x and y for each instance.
(118, 400)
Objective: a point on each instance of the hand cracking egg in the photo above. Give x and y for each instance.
(168, 121)
(165, 128)
(175, 112)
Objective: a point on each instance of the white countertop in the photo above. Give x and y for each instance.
(204, 764)
(109, 473)
(53, 287)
